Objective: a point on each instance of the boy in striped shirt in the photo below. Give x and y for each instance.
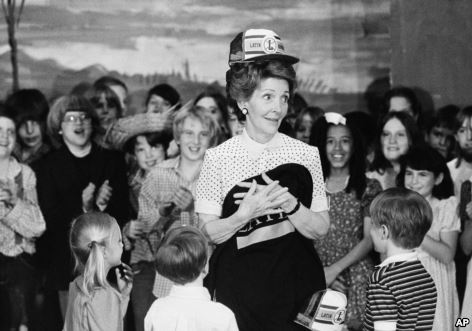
(401, 293)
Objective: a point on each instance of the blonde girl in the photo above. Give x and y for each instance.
(95, 304)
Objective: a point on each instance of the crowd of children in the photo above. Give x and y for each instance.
(85, 186)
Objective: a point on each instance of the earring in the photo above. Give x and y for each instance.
(60, 131)
(244, 111)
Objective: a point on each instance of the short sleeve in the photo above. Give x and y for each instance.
(319, 201)
(373, 188)
(381, 303)
(448, 215)
(209, 186)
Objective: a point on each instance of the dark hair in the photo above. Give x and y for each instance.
(27, 105)
(182, 254)
(357, 164)
(461, 116)
(312, 111)
(380, 163)
(424, 157)
(222, 104)
(405, 213)
(110, 81)
(94, 95)
(166, 92)
(242, 79)
(153, 138)
(445, 117)
(406, 93)
(6, 114)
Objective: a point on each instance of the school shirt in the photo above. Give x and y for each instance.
(102, 310)
(189, 308)
(400, 292)
(21, 223)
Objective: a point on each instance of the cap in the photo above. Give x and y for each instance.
(256, 44)
(325, 311)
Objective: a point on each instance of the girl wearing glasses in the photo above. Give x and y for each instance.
(77, 177)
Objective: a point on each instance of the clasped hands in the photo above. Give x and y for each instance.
(100, 199)
(262, 200)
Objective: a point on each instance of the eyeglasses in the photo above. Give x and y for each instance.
(82, 118)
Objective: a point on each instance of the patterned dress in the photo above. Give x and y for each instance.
(346, 231)
(445, 219)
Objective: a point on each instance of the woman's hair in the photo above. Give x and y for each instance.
(424, 157)
(242, 79)
(153, 138)
(357, 161)
(190, 111)
(94, 95)
(27, 105)
(182, 254)
(380, 163)
(90, 234)
(222, 104)
(60, 107)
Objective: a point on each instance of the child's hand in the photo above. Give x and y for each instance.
(103, 195)
(87, 197)
(183, 199)
(135, 230)
(124, 276)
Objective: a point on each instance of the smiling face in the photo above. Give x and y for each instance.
(266, 107)
(394, 140)
(146, 155)
(339, 146)
(421, 181)
(7, 137)
(194, 139)
(30, 134)
(76, 129)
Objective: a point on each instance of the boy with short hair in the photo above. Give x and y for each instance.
(401, 293)
(183, 258)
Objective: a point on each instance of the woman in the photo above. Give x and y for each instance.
(264, 266)
(78, 177)
(398, 132)
(344, 251)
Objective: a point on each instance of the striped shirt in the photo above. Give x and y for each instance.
(401, 291)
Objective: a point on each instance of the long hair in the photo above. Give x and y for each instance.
(424, 157)
(380, 163)
(462, 115)
(357, 164)
(90, 234)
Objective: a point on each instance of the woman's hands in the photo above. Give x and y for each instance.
(124, 276)
(263, 199)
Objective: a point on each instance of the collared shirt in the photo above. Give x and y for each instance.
(21, 223)
(241, 157)
(189, 308)
(401, 295)
(158, 188)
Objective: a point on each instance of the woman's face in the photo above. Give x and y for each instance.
(76, 128)
(106, 113)
(304, 130)
(339, 146)
(7, 137)
(394, 140)
(30, 134)
(267, 106)
(208, 104)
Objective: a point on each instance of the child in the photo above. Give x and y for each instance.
(425, 172)
(21, 223)
(147, 151)
(183, 258)
(401, 293)
(95, 240)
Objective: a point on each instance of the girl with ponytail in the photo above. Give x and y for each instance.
(95, 304)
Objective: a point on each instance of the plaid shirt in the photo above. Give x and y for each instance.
(158, 187)
(23, 222)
